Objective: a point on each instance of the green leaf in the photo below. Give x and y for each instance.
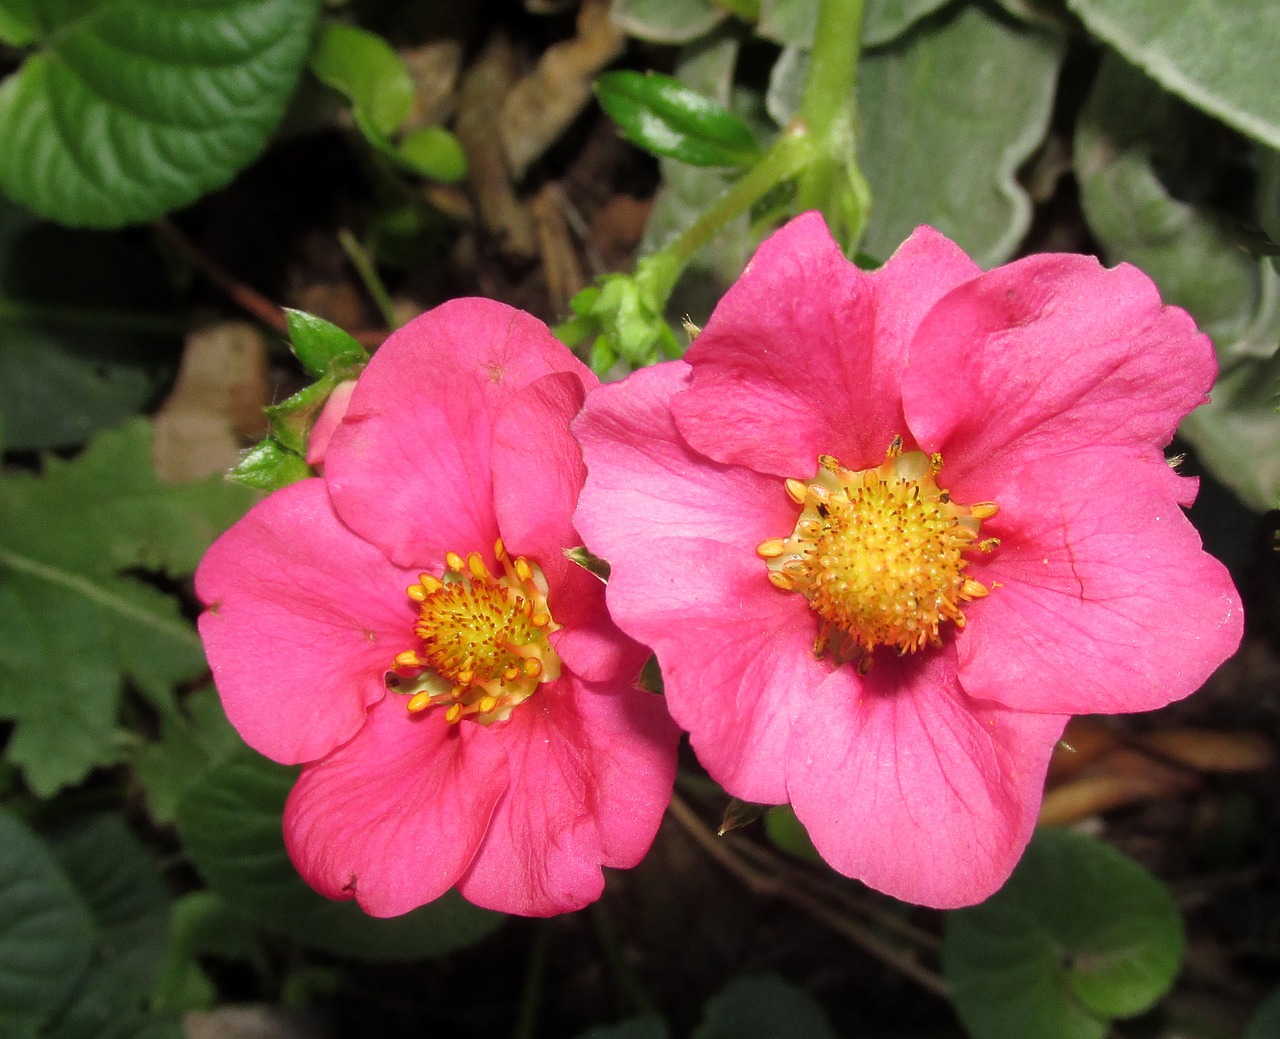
(762, 1007)
(74, 620)
(230, 823)
(102, 1008)
(1131, 136)
(18, 23)
(667, 21)
(131, 108)
(664, 116)
(367, 71)
(46, 933)
(1265, 1023)
(433, 152)
(788, 833)
(119, 882)
(269, 465)
(948, 116)
(192, 739)
(320, 345)
(87, 336)
(649, 1026)
(1220, 56)
(1079, 935)
(203, 924)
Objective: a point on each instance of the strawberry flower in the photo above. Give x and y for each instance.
(408, 628)
(886, 531)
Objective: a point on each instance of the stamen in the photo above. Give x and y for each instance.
(879, 554)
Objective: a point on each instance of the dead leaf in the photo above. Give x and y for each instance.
(542, 105)
(216, 403)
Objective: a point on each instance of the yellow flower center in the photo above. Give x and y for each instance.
(484, 644)
(879, 554)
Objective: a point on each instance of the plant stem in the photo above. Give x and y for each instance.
(369, 277)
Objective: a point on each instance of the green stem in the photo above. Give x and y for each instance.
(622, 972)
(368, 273)
(534, 976)
(828, 115)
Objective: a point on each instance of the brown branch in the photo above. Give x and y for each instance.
(245, 297)
(768, 882)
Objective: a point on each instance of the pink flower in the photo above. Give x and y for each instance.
(513, 755)
(887, 531)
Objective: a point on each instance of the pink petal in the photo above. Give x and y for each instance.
(906, 784)
(303, 620)
(591, 774)
(331, 415)
(394, 817)
(680, 533)
(804, 353)
(409, 469)
(590, 644)
(1106, 601)
(1050, 354)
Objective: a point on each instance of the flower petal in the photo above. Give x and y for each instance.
(303, 621)
(1057, 353)
(409, 468)
(909, 786)
(591, 774)
(680, 533)
(798, 338)
(1105, 600)
(394, 817)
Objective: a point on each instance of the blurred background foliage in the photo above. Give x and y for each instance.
(173, 175)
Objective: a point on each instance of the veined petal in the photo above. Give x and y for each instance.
(303, 620)
(1104, 600)
(801, 335)
(908, 785)
(591, 772)
(409, 467)
(394, 817)
(1052, 353)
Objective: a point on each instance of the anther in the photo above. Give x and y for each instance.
(419, 702)
(983, 510)
(771, 549)
(454, 562)
(476, 565)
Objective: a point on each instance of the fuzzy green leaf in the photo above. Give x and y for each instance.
(131, 108)
(948, 116)
(1220, 56)
(1079, 935)
(794, 22)
(1131, 136)
(663, 116)
(74, 619)
(230, 823)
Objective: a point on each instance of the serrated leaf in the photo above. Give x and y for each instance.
(230, 823)
(947, 117)
(117, 879)
(1220, 56)
(131, 108)
(74, 622)
(667, 21)
(86, 336)
(662, 115)
(103, 1008)
(762, 1007)
(46, 933)
(192, 739)
(367, 71)
(1079, 935)
(1130, 136)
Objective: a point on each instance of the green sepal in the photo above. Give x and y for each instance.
(270, 465)
(291, 420)
(320, 345)
(663, 116)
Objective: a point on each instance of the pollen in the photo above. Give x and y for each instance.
(483, 634)
(879, 554)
